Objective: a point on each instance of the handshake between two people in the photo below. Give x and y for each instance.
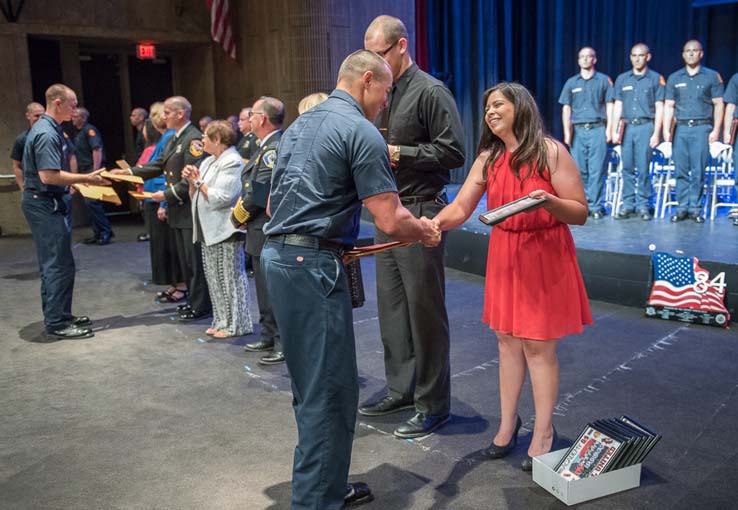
(431, 232)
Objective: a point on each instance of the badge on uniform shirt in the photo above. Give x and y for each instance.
(578, 89)
(269, 158)
(196, 148)
(179, 148)
(91, 132)
(680, 85)
(662, 81)
(628, 87)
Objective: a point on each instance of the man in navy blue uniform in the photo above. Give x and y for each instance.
(694, 97)
(586, 101)
(731, 119)
(90, 153)
(34, 111)
(46, 178)
(330, 160)
(639, 102)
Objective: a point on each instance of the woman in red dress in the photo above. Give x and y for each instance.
(534, 293)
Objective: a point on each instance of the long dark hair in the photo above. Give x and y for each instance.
(152, 134)
(527, 128)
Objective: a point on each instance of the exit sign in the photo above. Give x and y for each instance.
(146, 51)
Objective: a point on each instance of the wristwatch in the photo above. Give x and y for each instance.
(395, 154)
(198, 183)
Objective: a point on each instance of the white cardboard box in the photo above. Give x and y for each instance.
(572, 492)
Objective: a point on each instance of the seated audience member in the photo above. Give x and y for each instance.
(214, 189)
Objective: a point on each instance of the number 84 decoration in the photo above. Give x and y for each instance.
(683, 291)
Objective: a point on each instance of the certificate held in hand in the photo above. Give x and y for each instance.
(503, 212)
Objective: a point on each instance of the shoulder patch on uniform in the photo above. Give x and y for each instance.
(196, 148)
(269, 158)
(91, 132)
(662, 81)
(245, 161)
(720, 78)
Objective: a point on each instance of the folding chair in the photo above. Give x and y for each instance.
(723, 178)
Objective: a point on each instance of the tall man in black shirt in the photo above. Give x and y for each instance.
(425, 140)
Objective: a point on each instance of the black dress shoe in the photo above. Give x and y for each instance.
(421, 425)
(624, 215)
(105, 238)
(142, 238)
(91, 240)
(697, 217)
(527, 464)
(679, 216)
(260, 346)
(497, 452)
(357, 493)
(386, 405)
(274, 358)
(192, 315)
(71, 332)
(81, 321)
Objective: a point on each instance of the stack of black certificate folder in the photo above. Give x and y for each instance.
(607, 445)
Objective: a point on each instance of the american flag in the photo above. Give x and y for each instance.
(674, 284)
(220, 25)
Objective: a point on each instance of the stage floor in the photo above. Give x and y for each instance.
(715, 241)
(150, 414)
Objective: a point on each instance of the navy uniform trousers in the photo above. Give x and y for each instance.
(589, 150)
(691, 150)
(46, 216)
(309, 293)
(636, 157)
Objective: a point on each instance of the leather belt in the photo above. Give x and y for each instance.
(419, 199)
(590, 125)
(694, 122)
(316, 243)
(638, 120)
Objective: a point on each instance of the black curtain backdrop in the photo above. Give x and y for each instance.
(473, 44)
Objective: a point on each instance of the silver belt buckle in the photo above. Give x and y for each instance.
(690, 122)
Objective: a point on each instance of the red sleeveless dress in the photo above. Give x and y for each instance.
(533, 286)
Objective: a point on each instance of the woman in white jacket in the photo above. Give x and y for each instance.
(214, 189)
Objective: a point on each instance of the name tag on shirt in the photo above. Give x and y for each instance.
(179, 148)
(578, 89)
(680, 85)
(628, 87)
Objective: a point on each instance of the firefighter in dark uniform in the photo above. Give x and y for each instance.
(247, 146)
(182, 149)
(731, 118)
(46, 178)
(694, 97)
(266, 118)
(90, 153)
(586, 104)
(639, 101)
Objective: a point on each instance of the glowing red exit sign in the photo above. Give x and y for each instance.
(146, 51)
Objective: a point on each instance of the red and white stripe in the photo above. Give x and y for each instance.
(220, 25)
(664, 293)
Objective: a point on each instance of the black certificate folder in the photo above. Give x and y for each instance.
(503, 212)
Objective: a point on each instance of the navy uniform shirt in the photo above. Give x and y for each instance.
(45, 149)
(87, 139)
(587, 98)
(16, 153)
(731, 93)
(329, 160)
(248, 146)
(639, 93)
(694, 94)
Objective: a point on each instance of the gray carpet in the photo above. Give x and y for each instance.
(149, 414)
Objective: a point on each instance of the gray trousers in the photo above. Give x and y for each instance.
(411, 299)
(228, 286)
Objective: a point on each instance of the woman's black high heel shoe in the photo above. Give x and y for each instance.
(497, 452)
(527, 464)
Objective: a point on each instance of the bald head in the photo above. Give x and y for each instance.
(358, 63)
(692, 53)
(391, 28)
(33, 112)
(640, 55)
(80, 116)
